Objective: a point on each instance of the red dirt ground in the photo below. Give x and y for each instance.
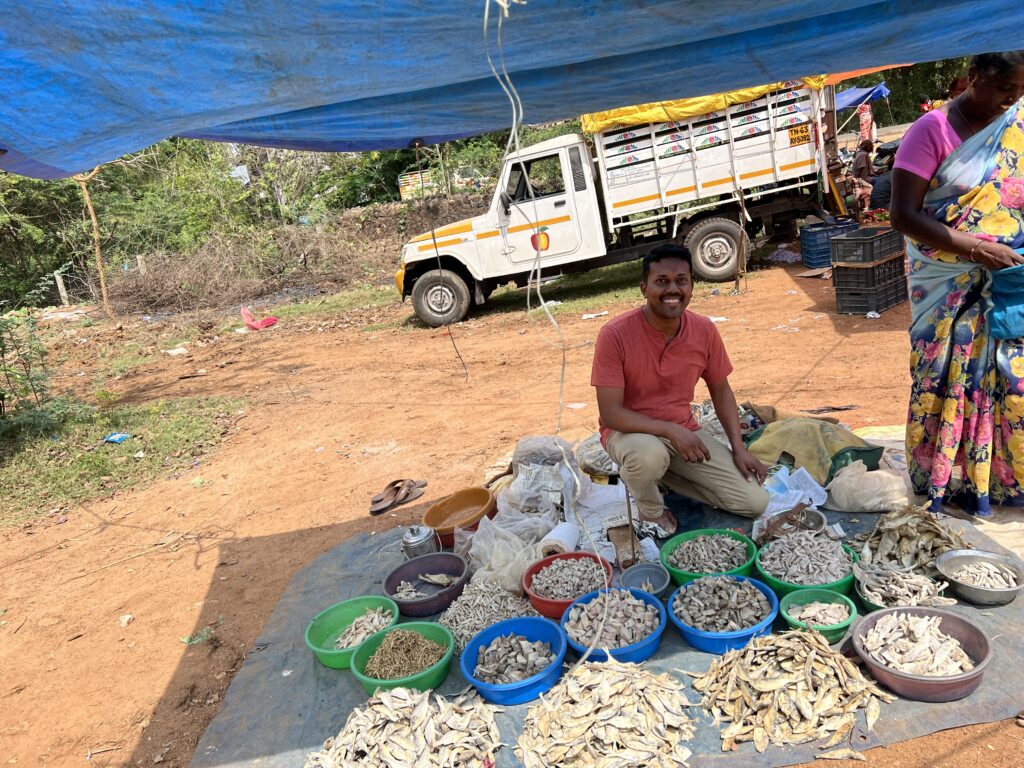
(334, 413)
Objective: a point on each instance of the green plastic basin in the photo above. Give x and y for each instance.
(682, 577)
(844, 586)
(431, 677)
(328, 624)
(832, 632)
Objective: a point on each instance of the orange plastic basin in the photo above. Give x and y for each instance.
(463, 509)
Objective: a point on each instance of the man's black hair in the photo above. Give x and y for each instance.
(998, 64)
(667, 251)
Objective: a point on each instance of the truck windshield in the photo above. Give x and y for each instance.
(545, 175)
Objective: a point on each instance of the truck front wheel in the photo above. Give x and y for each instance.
(716, 246)
(440, 297)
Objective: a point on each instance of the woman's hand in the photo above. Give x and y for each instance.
(996, 255)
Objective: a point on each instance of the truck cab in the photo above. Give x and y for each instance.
(545, 213)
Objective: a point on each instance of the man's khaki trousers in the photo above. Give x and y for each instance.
(645, 460)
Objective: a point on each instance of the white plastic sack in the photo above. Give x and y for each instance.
(498, 555)
(855, 489)
(593, 458)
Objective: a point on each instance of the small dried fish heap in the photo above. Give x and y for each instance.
(373, 620)
(891, 586)
(403, 653)
(709, 554)
(915, 645)
(629, 620)
(481, 604)
(720, 604)
(511, 658)
(569, 578)
(986, 575)
(910, 538)
(818, 614)
(784, 689)
(404, 727)
(438, 579)
(406, 591)
(608, 714)
(806, 558)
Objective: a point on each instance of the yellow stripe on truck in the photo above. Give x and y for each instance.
(441, 244)
(525, 227)
(457, 229)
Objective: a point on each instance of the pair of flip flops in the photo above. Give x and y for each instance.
(396, 493)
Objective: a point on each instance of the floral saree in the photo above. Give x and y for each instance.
(965, 426)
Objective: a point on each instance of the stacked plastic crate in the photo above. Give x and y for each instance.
(814, 242)
(868, 270)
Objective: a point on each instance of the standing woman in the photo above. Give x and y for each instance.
(958, 196)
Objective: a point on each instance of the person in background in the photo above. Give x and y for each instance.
(862, 161)
(956, 87)
(646, 366)
(859, 192)
(958, 196)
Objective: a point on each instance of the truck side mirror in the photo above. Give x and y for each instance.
(506, 202)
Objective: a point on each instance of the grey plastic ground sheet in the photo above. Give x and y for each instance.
(282, 703)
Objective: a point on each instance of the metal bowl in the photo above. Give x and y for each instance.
(921, 687)
(950, 562)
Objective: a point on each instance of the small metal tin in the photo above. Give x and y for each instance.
(420, 540)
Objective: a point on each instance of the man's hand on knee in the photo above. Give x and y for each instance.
(688, 445)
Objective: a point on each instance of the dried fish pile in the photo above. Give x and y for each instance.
(915, 645)
(403, 653)
(709, 554)
(373, 620)
(438, 579)
(511, 658)
(911, 538)
(806, 558)
(481, 604)
(987, 575)
(785, 689)
(629, 620)
(891, 586)
(406, 591)
(608, 714)
(406, 727)
(721, 604)
(569, 578)
(818, 614)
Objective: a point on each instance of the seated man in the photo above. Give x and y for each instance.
(646, 365)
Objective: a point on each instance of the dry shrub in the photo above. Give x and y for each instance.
(224, 271)
(361, 245)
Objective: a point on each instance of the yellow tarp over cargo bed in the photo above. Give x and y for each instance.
(681, 109)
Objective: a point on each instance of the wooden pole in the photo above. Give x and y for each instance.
(83, 182)
(61, 289)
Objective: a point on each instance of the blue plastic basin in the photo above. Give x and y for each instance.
(636, 652)
(528, 689)
(720, 642)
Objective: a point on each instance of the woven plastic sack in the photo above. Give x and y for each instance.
(855, 489)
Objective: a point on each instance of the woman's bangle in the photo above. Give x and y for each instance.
(970, 256)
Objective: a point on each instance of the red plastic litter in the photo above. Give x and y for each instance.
(257, 325)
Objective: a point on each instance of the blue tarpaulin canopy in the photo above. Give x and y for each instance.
(89, 81)
(854, 97)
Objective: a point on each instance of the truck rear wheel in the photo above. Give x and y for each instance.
(716, 245)
(440, 297)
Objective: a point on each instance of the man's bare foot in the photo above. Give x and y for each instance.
(662, 526)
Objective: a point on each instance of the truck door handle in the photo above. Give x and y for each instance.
(559, 203)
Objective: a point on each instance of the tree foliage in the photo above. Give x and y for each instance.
(908, 84)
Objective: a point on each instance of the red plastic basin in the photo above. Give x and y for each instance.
(554, 609)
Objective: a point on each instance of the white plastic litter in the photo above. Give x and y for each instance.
(872, 315)
(787, 489)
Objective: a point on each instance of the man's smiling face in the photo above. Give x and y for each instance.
(668, 287)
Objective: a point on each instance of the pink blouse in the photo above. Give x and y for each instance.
(928, 142)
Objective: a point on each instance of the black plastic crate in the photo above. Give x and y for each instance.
(870, 275)
(878, 299)
(865, 245)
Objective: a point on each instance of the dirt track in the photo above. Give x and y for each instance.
(332, 416)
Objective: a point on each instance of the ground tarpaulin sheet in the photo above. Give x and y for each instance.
(282, 703)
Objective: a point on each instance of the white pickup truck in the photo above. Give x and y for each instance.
(708, 182)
